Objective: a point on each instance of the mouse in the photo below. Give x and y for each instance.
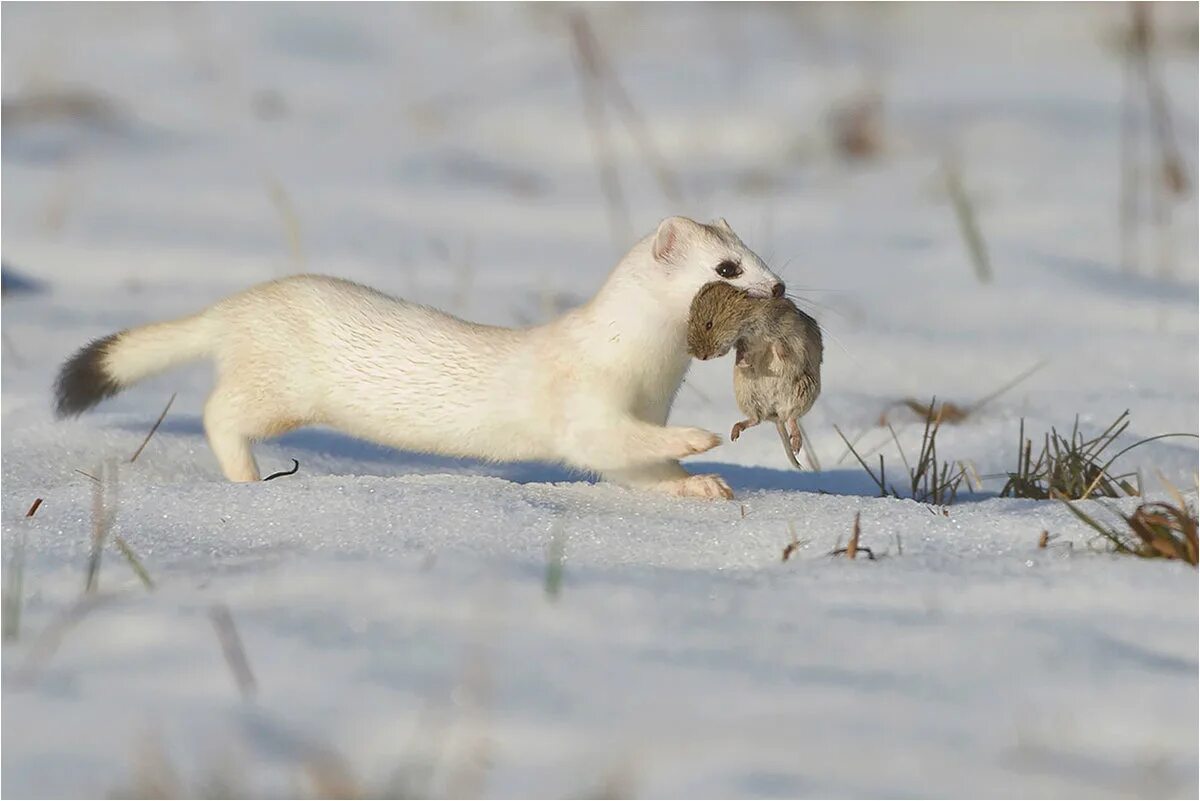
(777, 372)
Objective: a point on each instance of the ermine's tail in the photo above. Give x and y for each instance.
(109, 365)
(787, 445)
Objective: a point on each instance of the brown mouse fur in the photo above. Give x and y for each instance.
(777, 375)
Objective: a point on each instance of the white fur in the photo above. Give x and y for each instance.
(591, 389)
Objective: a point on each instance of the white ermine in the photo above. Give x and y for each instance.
(591, 389)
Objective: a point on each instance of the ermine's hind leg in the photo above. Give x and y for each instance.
(228, 436)
(672, 479)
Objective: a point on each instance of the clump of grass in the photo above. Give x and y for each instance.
(1156, 530)
(930, 480)
(1073, 467)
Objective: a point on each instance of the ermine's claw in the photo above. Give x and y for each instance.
(738, 428)
(709, 486)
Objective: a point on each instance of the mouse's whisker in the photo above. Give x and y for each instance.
(808, 304)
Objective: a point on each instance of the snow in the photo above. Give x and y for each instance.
(394, 607)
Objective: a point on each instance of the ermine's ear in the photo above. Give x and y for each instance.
(671, 237)
(724, 226)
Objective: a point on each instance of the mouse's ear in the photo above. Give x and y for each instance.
(724, 225)
(671, 237)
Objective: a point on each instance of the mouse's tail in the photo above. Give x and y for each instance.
(787, 444)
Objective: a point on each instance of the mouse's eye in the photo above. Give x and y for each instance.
(729, 269)
(708, 326)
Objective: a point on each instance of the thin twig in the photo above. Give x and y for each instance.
(104, 493)
(134, 562)
(590, 72)
(154, 428)
(991, 396)
(281, 473)
(809, 453)
(232, 649)
(968, 223)
(46, 644)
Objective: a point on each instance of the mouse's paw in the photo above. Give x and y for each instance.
(690, 441)
(709, 486)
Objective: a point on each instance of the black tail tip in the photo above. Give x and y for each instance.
(83, 382)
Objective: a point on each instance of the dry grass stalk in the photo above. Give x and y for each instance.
(233, 651)
(46, 644)
(809, 454)
(104, 513)
(555, 556)
(590, 77)
(14, 583)
(135, 563)
(952, 413)
(1127, 200)
(605, 77)
(1153, 531)
(793, 546)
(968, 224)
(852, 547)
(1170, 178)
(153, 429)
(282, 204)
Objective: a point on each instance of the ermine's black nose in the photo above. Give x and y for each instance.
(777, 290)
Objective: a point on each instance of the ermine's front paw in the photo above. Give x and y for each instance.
(690, 441)
(709, 486)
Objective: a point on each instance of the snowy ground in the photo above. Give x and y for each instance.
(394, 607)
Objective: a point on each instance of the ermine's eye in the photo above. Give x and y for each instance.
(729, 269)
(708, 326)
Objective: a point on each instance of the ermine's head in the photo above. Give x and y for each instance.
(717, 319)
(691, 255)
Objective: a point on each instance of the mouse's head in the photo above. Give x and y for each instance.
(692, 255)
(717, 319)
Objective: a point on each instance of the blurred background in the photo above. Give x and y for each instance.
(957, 194)
(961, 194)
